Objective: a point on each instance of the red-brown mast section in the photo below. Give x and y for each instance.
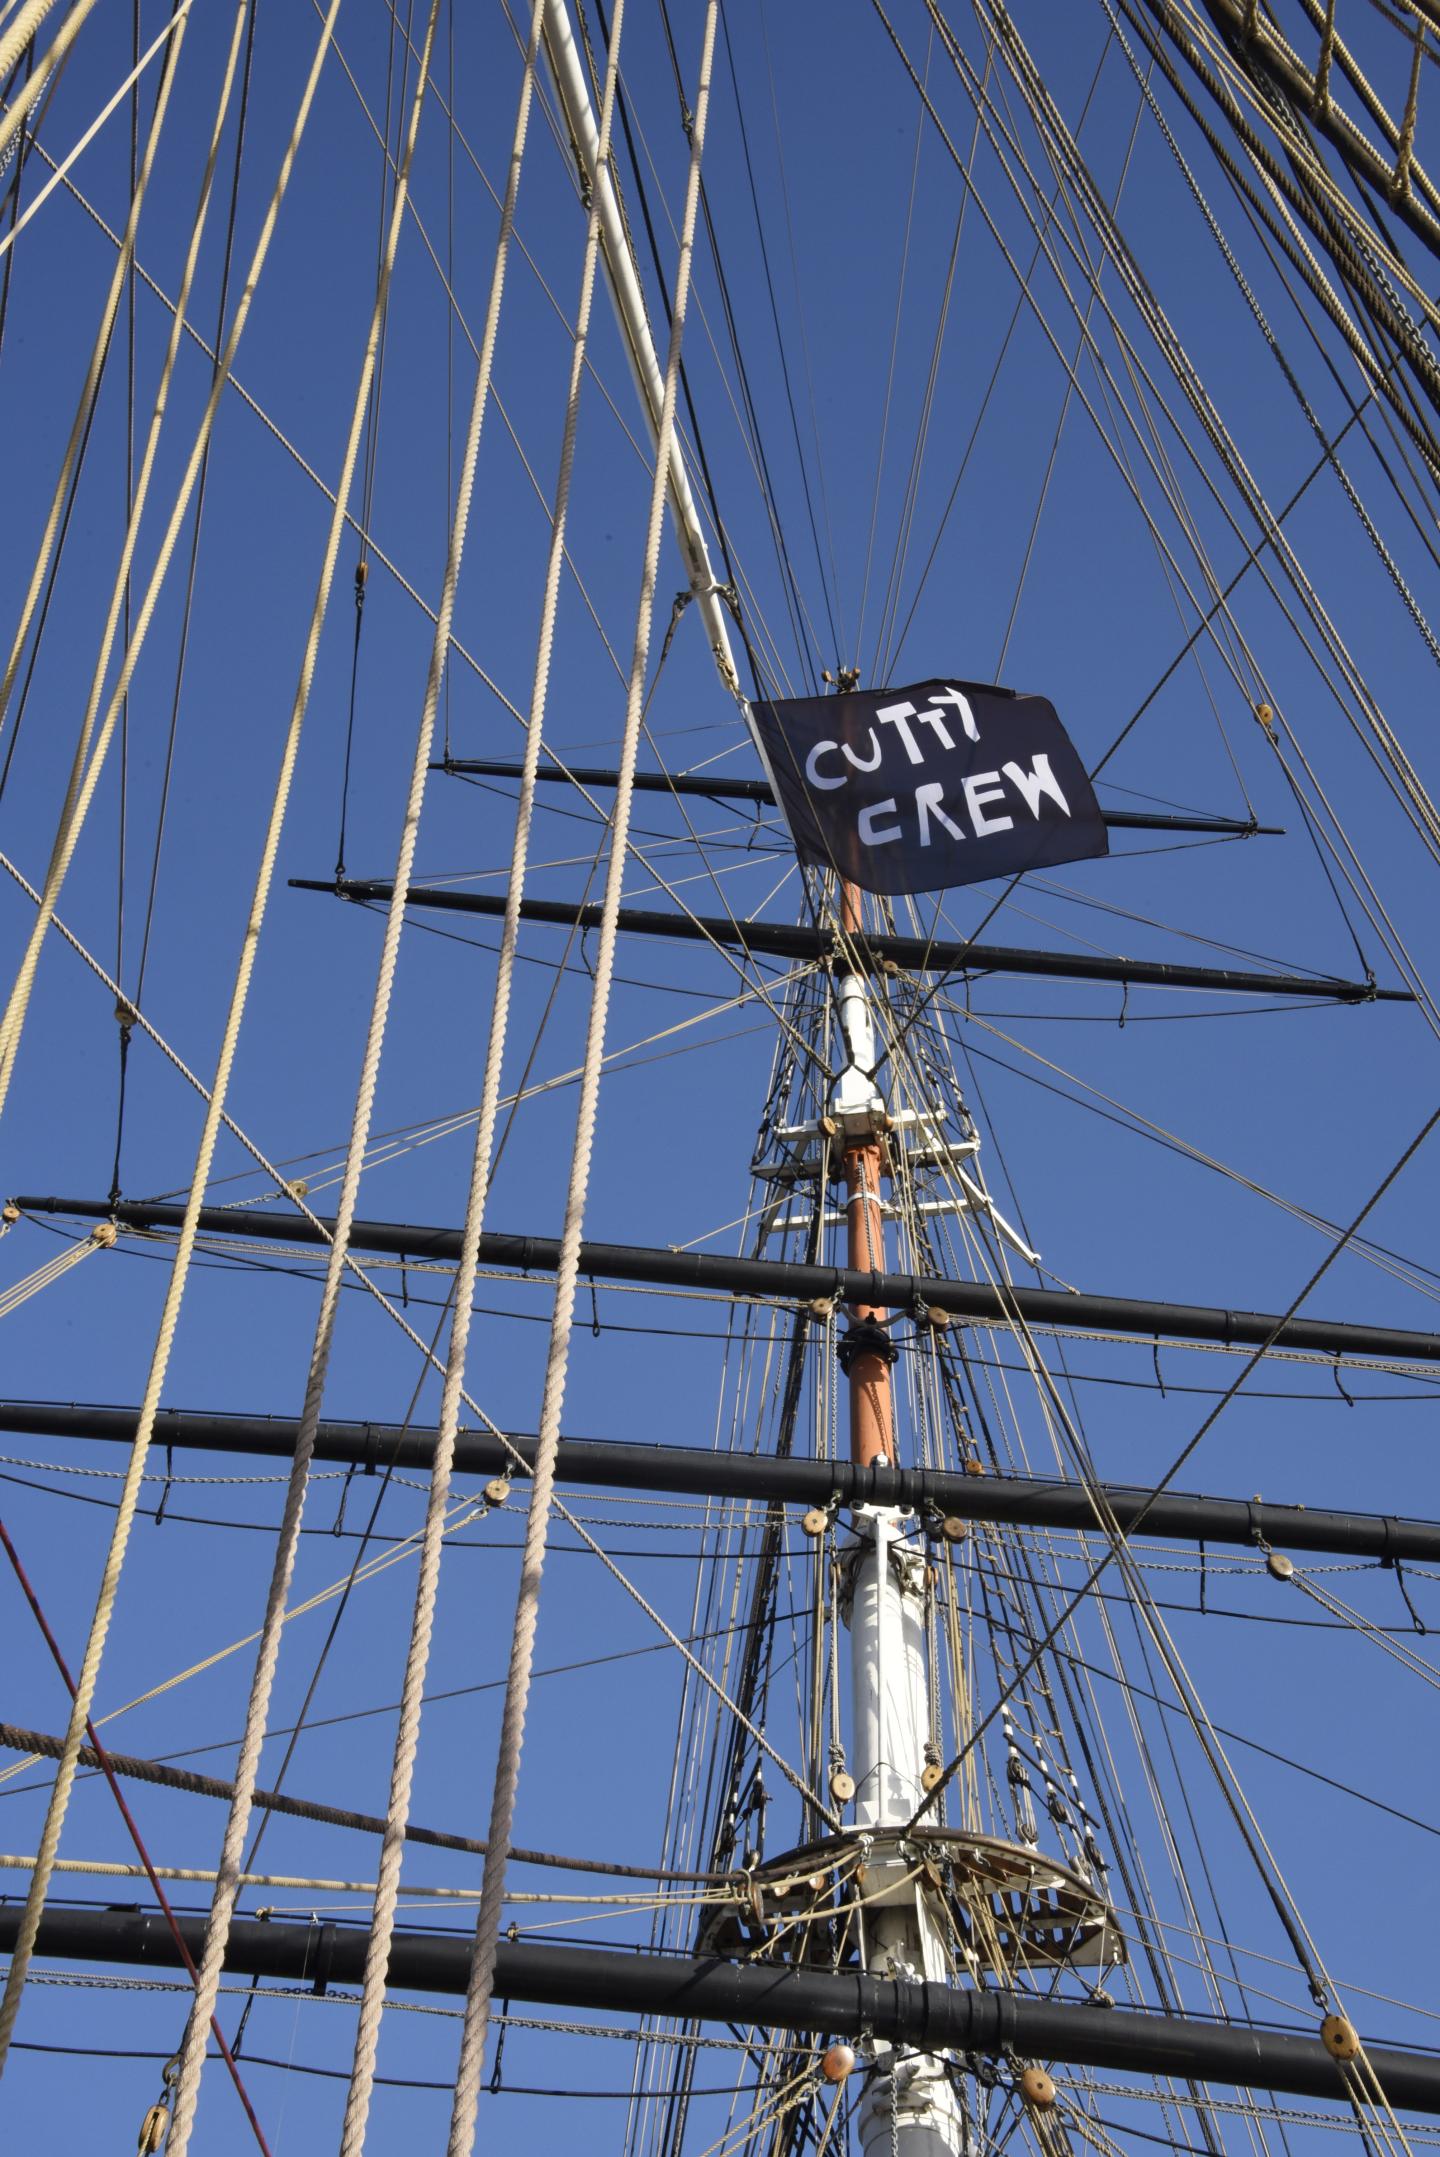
(872, 1399)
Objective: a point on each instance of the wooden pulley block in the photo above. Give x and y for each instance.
(838, 2062)
(815, 1522)
(842, 1787)
(497, 1490)
(1278, 1566)
(1340, 2037)
(930, 1774)
(152, 2130)
(974, 1466)
(1037, 2089)
(954, 1529)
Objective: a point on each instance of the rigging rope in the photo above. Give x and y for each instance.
(193, 2046)
(22, 31)
(54, 58)
(1384, 748)
(94, 1649)
(150, 1871)
(89, 393)
(427, 1584)
(100, 1238)
(81, 793)
(477, 2006)
(169, 34)
(80, 783)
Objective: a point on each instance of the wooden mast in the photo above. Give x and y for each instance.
(872, 1405)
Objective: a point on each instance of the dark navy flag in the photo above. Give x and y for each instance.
(919, 788)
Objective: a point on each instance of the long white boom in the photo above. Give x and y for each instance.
(567, 71)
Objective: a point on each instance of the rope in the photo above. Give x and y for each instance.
(39, 1743)
(428, 1580)
(171, 32)
(72, 811)
(73, 816)
(1247, 293)
(482, 1974)
(93, 1868)
(146, 1868)
(22, 31)
(1407, 131)
(193, 2046)
(100, 1238)
(89, 1670)
(1385, 749)
(129, 1497)
(84, 410)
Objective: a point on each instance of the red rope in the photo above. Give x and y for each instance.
(135, 1836)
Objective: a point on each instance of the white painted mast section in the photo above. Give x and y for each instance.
(909, 2108)
(887, 1674)
(567, 70)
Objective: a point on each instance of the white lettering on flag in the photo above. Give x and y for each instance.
(961, 703)
(982, 787)
(1040, 779)
(867, 817)
(896, 715)
(876, 752)
(812, 766)
(929, 801)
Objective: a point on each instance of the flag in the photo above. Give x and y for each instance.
(920, 788)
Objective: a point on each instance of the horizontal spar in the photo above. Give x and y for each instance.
(929, 2017)
(695, 1471)
(716, 788)
(915, 954)
(711, 1272)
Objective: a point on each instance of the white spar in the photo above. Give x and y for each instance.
(572, 87)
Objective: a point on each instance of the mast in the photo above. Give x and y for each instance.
(909, 2104)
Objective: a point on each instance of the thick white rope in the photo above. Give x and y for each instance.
(130, 1492)
(20, 32)
(18, 1004)
(89, 391)
(339, 1245)
(512, 1729)
(407, 1736)
(287, 1543)
(192, 2052)
(141, 489)
(64, 38)
(78, 148)
(71, 814)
